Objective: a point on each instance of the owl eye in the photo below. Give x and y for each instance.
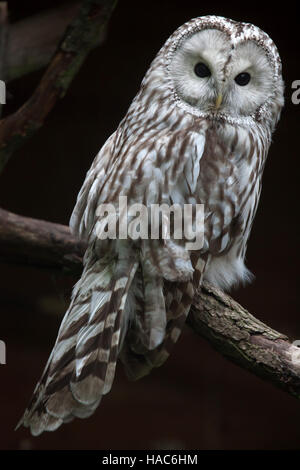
(243, 78)
(201, 70)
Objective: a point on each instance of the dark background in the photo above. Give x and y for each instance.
(197, 399)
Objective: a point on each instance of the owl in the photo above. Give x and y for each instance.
(197, 132)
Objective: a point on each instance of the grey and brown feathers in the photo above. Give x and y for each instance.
(173, 146)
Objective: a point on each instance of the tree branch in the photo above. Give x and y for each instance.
(77, 42)
(33, 40)
(38, 243)
(245, 340)
(215, 316)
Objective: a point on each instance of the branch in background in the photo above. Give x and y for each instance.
(32, 41)
(3, 38)
(215, 316)
(78, 40)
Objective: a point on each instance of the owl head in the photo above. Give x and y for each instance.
(222, 69)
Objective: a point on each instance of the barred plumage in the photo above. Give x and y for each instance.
(186, 139)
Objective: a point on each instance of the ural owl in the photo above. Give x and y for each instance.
(197, 132)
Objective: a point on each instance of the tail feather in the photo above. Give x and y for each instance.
(148, 327)
(138, 363)
(82, 364)
(179, 297)
(97, 351)
(102, 325)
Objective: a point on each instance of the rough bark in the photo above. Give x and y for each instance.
(215, 316)
(245, 340)
(38, 243)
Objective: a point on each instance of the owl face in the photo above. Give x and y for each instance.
(223, 68)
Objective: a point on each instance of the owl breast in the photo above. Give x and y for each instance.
(228, 184)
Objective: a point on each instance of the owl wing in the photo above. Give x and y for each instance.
(82, 216)
(161, 168)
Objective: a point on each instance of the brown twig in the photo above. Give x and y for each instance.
(77, 42)
(215, 316)
(33, 40)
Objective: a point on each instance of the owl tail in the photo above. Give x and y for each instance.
(81, 367)
(139, 361)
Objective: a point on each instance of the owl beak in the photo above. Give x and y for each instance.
(218, 101)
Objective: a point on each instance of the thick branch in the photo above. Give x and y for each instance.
(244, 340)
(38, 243)
(215, 316)
(78, 40)
(33, 40)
